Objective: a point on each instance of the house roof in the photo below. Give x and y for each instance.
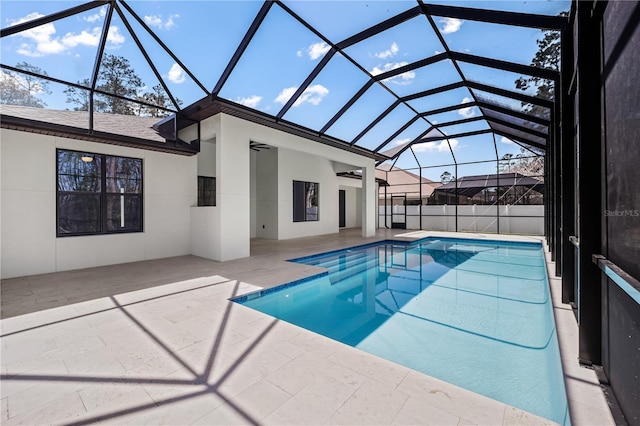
(471, 185)
(127, 130)
(403, 181)
(377, 110)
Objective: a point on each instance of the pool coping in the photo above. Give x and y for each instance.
(586, 401)
(262, 292)
(427, 396)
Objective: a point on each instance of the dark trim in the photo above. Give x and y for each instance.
(208, 107)
(51, 129)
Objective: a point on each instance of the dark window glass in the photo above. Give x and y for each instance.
(206, 191)
(124, 213)
(78, 175)
(98, 193)
(78, 213)
(305, 201)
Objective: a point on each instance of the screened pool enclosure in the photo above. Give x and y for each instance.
(498, 117)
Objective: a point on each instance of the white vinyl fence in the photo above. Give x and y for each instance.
(512, 219)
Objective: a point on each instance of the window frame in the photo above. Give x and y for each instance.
(102, 196)
(200, 200)
(306, 219)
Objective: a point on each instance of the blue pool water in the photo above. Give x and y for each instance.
(473, 313)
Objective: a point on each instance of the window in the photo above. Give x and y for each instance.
(305, 201)
(98, 194)
(206, 191)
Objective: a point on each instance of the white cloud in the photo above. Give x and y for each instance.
(176, 74)
(84, 38)
(441, 146)
(389, 52)
(402, 141)
(158, 22)
(401, 79)
(312, 94)
(466, 112)
(41, 40)
(251, 101)
(450, 25)
(114, 37)
(507, 141)
(96, 16)
(315, 51)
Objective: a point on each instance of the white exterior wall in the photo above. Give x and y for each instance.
(528, 220)
(309, 168)
(353, 201)
(173, 225)
(298, 159)
(28, 208)
(266, 193)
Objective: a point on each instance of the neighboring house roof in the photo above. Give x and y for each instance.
(127, 130)
(471, 185)
(404, 182)
(355, 174)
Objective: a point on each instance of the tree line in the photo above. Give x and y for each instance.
(116, 76)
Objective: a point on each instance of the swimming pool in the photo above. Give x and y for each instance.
(474, 313)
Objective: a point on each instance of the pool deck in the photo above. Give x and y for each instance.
(158, 342)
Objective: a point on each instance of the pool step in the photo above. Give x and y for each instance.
(353, 271)
(344, 259)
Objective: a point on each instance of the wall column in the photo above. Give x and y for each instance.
(232, 192)
(369, 201)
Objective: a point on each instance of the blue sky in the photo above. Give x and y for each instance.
(204, 35)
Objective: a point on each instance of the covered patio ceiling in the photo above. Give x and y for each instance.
(399, 75)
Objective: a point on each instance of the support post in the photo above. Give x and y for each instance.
(368, 200)
(589, 182)
(568, 170)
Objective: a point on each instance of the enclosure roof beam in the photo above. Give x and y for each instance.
(505, 65)
(14, 29)
(543, 22)
(378, 28)
(520, 139)
(262, 13)
(511, 94)
(518, 114)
